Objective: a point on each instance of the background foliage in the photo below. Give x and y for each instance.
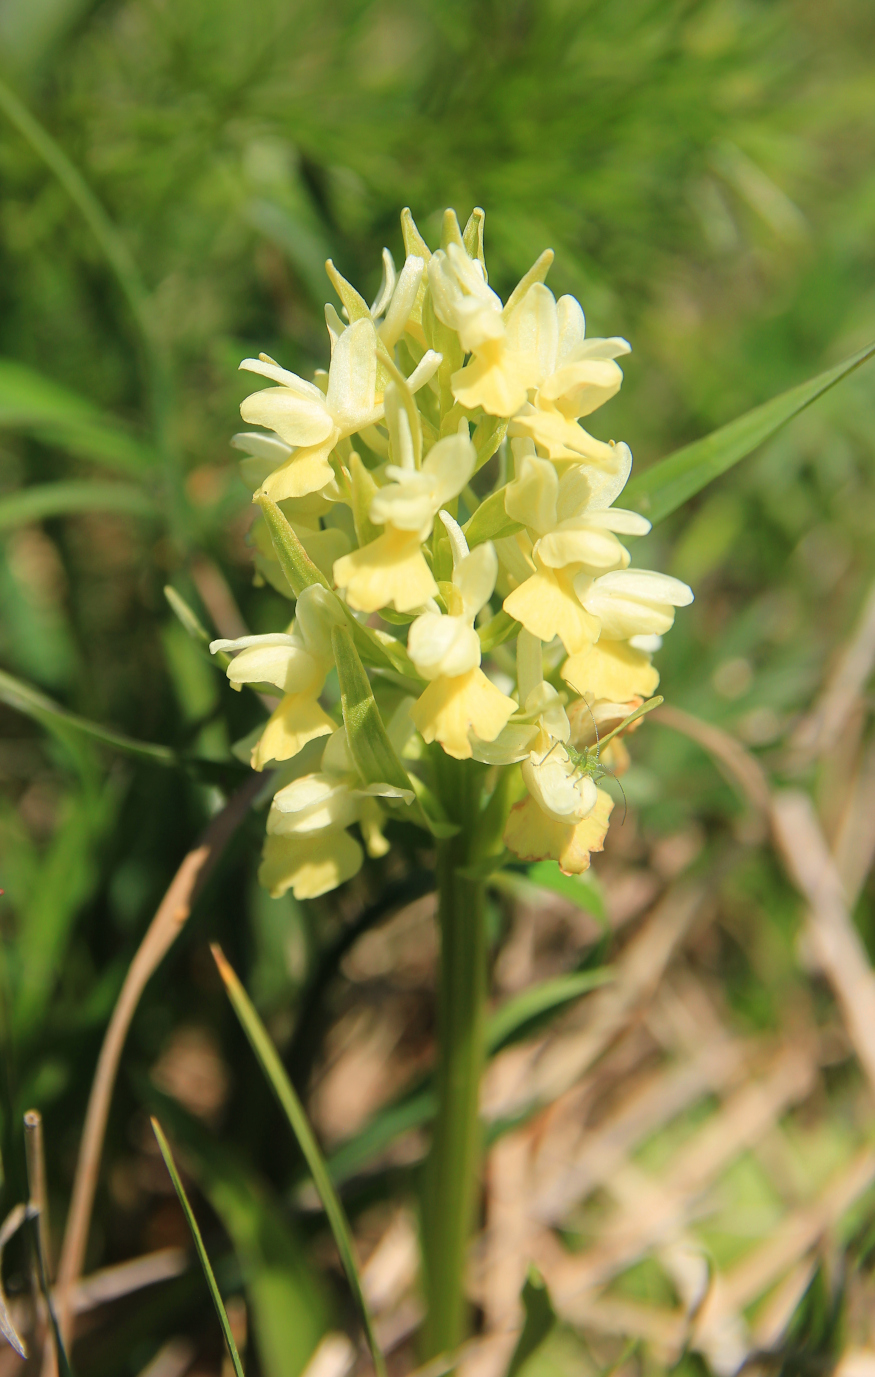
(704, 171)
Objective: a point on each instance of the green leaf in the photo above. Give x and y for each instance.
(50, 886)
(488, 435)
(195, 627)
(490, 521)
(585, 893)
(199, 1246)
(294, 1112)
(64, 499)
(66, 725)
(500, 628)
(369, 742)
(37, 406)
(667, 485)
(508, 1022)
(539, 1321)
(296, 564)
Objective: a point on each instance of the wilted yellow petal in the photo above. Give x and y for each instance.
(532, 836)
(547, 606)
(612, 670)
(298, 719)
(451, 708)
(310, 865)
(390, 572)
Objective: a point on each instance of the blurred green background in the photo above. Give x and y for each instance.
(705, 172)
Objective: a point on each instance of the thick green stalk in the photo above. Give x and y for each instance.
(452, 1174)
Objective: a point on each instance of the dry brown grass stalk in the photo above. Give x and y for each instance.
(834, 939)
(160, 936)
(820, 729)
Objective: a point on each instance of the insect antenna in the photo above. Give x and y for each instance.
(612, 776)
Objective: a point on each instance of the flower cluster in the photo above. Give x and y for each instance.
(428, 501)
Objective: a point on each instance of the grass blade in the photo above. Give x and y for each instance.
(199, 1246)
(33, 1219)
(539, 1321)
(64, 499)
(506, 1024)
(16, 694)
(667, 485)
(37, 405)
(300, 1125)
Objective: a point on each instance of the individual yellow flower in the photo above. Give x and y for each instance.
(577, 376)
(571, 519)
(296, 662)
(633, 602)
(312, 421)
(308, 865)
(580, 588)
(504, 341)
(451, 710)
(391, 571)
(446, 649)
(308, 848)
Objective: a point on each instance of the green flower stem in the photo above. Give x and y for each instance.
(453, 1168)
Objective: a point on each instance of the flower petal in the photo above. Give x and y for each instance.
(298, 719)
(297, 420)
(389, 572)
(612, 670)
(309, 866)
(352, 378)
(547, 606)
(450, 709)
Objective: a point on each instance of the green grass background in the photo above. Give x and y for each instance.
(704, 171)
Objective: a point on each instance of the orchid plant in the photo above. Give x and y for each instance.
(447, 531)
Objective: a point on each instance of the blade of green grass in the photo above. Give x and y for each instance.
(509, 1021)
(64, 499)
(539, 1321)
(64, 1367)
(294, 1112)
(16, 694)
(665, 486)
(37, 405)
(199, 1246)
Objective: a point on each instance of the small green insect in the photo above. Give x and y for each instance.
(588, 761)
